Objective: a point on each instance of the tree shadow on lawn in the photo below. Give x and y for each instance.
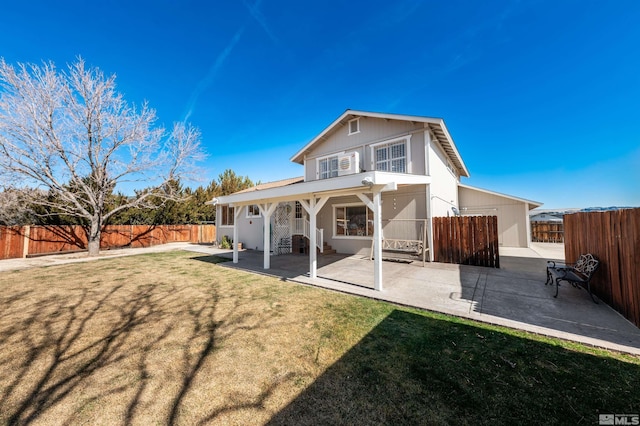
(412, 369)
(116, 353)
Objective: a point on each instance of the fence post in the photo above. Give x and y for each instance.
(25, 241)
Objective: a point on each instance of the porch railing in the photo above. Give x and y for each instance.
(302, 226)
(319, 239)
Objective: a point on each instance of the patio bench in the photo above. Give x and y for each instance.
(577, 274)
(409, 247)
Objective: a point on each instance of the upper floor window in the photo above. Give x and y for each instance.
(354, 126)
(391, 156)
(227, 214)
(253, 211)
(328, 167)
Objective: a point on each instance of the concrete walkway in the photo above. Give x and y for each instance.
(513, 296)
(61, 259)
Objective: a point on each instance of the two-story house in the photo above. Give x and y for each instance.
(370, 181)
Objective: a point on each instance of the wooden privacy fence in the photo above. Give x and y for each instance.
(16, 241)
(11, 242)
(466, 240)
(614, 238)
(547, 232)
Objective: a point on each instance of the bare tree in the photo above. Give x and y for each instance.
(73, 135)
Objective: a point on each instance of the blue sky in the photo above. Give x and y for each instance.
(541, 97)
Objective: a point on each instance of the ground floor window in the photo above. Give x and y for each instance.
(353, 220)
(253, 211)
(227, 214)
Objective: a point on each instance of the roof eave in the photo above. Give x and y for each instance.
(317, 187)
(532, 204)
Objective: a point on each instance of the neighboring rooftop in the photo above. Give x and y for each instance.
(274, 184)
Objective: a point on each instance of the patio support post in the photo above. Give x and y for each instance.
(236, 215)
(375, 206)
(313, 254)
(267, 210)
(377, 240)
(312, 208)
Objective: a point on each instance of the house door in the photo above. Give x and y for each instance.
(282, 229)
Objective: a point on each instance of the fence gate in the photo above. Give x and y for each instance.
(466, 240)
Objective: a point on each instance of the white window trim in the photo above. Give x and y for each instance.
(324, 157)
(407, 145)
(335, 223)
(252, 216)
(357, 120)
(225, 225)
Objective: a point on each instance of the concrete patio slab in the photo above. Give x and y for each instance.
(514, 296)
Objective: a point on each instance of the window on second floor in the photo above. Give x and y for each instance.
(392, 156)
(328, 167)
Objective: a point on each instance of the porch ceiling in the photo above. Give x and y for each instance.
(350, 184)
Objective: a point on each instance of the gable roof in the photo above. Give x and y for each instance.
(436, 125)
(532, 204)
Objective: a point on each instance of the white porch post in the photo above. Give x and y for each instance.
(313, 254)
(267, 210)
(236, 215)
(377, 240)
(312, 208)
(375, 206)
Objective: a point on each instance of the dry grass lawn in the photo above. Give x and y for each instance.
(155, 339)
(174, 338)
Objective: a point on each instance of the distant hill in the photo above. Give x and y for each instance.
(603, 209)
(561, 212)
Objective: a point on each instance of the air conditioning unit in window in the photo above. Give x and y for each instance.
(349, 163)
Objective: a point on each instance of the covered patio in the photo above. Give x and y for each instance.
(514, 296)
(313, 196)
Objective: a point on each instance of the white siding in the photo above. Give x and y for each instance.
(444, 186)
(512, 214)
(249, 230)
